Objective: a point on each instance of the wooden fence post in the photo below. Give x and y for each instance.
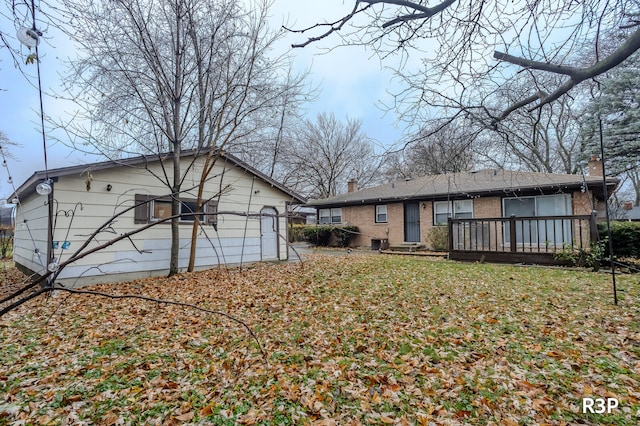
(593, 227)
(512, 232)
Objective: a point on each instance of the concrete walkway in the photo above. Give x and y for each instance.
(304, 248)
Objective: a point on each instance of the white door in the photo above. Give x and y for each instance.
(269, 233)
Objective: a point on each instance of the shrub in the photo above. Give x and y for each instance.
(330, 236)
(318, 235)
(6, 241)
(438, 238)
(585, 258)
(296, 233)
(345, 234)
(625, 237)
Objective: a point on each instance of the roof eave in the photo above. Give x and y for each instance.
(591, 184)
(28, 187)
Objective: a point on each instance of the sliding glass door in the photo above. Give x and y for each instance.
(534, 231)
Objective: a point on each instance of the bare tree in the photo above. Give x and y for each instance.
(327, 153)
(546, 139)
(438, 148)
(161, 77)
(458, 41)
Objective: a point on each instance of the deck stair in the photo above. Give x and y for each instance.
(407, 247)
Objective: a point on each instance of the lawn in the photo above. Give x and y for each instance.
(347, 340)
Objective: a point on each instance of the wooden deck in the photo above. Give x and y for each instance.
(520, 239)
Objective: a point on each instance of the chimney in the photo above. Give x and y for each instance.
(352, 185)
(595, 166)
(628, 205)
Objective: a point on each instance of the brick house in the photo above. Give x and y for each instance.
(406, 211)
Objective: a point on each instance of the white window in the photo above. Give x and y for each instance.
(329, 216)
(381, 213)
(458, 209)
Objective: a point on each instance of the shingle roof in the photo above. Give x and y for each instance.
(466, 184)
(633, 214)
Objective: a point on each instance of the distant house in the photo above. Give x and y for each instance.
(630, 212)
(300, 215)
(6, 214)
(245, 218)
(406, 211)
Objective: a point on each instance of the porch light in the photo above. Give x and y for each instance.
(44, 188)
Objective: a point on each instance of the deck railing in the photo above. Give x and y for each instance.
(517, 238)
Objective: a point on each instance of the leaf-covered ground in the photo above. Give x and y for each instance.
(349, 340)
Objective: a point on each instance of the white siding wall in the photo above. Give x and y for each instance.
(30, 239)
(237, 239)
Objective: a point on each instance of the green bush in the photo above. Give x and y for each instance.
(592, 258)
(625, 237)
(318, 235)
(296, 233)
(438, 238)
(330, 236)
(6, 241)
(345, 234)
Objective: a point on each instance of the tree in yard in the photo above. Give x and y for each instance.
(460, 72)
(438, 148)
(615, 108)
(158, 77)
(327, 153)
(546, 139)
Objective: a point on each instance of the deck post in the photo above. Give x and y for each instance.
(593, 228)
(512, 232)
(450, 236)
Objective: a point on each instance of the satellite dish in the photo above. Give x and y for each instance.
(29, 37)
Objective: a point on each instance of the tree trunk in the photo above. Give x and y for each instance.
(196, 224)
(175, 210)
(206, 170)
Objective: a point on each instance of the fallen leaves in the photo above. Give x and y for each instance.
(349, 341)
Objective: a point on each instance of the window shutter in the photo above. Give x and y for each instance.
(141, 211)
(211, 210)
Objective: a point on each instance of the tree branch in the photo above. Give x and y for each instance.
(536, 65)
(427, 12)
(576, 75)
(333, 27)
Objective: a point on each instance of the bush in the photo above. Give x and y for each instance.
(318, 235)
(330, 236)
(438, 238)
(6, 241)
(296, 233)
(625, 237)
(345, 234)
(584, 258)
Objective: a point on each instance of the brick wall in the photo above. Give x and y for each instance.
(364, 218)
(582, 202)
(484, 207)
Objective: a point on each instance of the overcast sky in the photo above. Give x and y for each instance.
(351, 80)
